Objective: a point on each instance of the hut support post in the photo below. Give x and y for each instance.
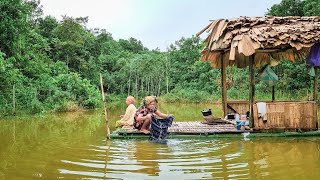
(224, 85)
(273, 96)
(252, 89)
(315, 84)
(315, 94)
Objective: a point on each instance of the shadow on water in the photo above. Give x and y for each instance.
(74, 146)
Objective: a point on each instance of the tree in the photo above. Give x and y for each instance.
(311, 7)
(13, 15)
(287, 8)
(295, 8)
(70, 42)
(46, 26)
(132, 45)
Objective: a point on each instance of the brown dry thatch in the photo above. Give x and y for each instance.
(268, 38)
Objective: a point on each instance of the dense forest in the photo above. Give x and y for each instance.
(51, 65)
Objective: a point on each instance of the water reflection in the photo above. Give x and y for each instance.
(74, 146)
(195, 159)
(144, 160)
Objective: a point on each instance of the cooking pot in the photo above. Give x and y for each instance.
(206, 112)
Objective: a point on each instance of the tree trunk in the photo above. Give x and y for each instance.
(129, 85)
(159, 87)
(136, 85)
(14, 99)
(148, 85)
(152, 86)
(141, 86)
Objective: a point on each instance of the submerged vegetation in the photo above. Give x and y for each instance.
(51, 65)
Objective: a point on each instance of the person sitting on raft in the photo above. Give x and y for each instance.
(127, 118)
(145, 113)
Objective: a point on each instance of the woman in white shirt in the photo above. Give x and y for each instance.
(127, 118)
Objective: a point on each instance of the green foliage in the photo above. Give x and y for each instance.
(36, 106)
(13, 15)
(51, 65)
(46, 26)
(76, 89)
(132, 45)
(295, 8)
(311, 8)
(293, 75)
(187, 95)
(287, 8)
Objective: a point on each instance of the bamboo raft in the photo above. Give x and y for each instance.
(186, 128)
(197, 129)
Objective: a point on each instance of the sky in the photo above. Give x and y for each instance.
(156, 23)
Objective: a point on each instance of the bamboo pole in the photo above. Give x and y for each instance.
(104, 107)
(224, 86)
(106, 159)
(252, 89)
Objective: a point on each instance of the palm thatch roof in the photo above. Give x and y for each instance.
(268, 38)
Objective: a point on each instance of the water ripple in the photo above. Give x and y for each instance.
(186, 159)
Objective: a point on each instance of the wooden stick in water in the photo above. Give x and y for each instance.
(104, 107)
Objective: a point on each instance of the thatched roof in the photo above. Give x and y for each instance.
(268, 38)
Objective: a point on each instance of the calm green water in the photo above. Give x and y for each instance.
(73, 146)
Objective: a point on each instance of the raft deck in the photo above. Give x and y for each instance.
(195, 127)
(200, 130)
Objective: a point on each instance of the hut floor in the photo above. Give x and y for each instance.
(195, 127)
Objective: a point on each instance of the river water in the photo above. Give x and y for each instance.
(74, 146)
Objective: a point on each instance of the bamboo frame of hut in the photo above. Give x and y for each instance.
(251, 41)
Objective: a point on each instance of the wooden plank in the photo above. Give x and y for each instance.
(241, 107)
(231, 108)
(224, 85)
(252, 89)
(256, 125)
(315, 94)
(304, 117)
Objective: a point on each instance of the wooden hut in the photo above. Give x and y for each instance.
(252, 41)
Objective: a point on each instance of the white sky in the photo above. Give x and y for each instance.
(157, 23)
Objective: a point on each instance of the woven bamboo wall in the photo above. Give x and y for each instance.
(240, 106)
(281, 114)
(287, 115)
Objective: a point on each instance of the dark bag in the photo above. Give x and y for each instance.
(159, 129)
